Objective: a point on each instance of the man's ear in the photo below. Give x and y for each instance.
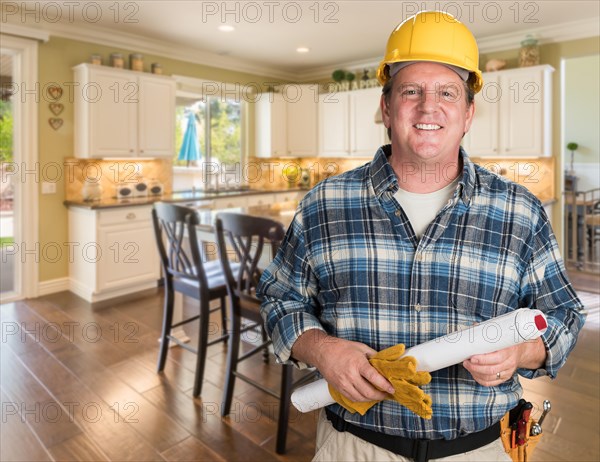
(469, 118)
(385, 111)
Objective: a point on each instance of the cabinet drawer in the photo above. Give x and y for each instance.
(125, 215)
(287, 197)
(261, 199)
(230, 202)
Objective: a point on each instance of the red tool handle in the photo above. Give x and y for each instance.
(521, 430)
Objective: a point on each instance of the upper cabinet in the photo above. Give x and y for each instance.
(513, 114)
(286, 122)
(347, 123)
(122, 113)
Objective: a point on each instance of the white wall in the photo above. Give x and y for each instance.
(582, 119)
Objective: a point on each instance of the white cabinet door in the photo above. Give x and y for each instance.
(156, 117)
(121, 113)
(513, 114)
(118, 252)
(482, 138)
(278, 122)
(366, 136)
(522, 113)
(111, 110)
(302, 114)
(334, 124)
(286, 123)
(271, 125)
(129, 255)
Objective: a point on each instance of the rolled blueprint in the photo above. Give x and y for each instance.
(492, 335)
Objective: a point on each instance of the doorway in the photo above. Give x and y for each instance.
(19, 151)
(8, 286)
(581, 162)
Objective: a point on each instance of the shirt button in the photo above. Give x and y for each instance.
(398, 213)
(418, 307)
(419, 257)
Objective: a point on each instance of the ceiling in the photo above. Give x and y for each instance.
(338, 33)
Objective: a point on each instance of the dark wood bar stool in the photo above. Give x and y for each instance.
(243, 239)
(185, 271)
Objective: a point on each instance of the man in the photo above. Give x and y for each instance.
(415, 244)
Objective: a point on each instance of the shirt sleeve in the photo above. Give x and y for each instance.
(545, 286)
(288, 288)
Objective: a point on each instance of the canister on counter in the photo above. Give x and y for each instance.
(136, 62)
(96, 59)
(116, 60)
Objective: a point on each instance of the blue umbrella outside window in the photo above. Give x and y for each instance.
(190, 149)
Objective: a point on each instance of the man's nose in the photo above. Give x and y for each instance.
(429, 100)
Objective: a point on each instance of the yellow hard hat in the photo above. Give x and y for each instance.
(437, 37)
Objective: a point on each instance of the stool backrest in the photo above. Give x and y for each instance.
(243, 239)
(175, 232)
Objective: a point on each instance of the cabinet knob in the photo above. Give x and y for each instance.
(131, 150)
(141, 151)
(130, 216)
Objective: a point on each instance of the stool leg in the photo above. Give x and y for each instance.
(202, 345)
(232, 362)
(265, 352)
(223, 316)
(166, 327)
(284, 408)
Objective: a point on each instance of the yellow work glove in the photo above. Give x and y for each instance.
(402, 374)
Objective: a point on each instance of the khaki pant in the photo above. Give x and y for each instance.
(334, 446)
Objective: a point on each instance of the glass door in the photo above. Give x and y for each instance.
(8, 286)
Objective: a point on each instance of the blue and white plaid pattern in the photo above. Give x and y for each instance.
(351, 265)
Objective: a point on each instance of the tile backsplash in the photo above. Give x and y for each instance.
(535, 173)
(109, 173)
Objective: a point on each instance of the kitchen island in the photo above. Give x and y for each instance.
(113, 240)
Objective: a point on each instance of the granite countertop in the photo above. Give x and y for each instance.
(182, 196)
(281, 212)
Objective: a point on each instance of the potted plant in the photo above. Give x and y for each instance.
(572, 146)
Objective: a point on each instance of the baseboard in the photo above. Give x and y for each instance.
(53, 285)
(95, 298)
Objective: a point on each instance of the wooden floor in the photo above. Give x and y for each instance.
(80, 384)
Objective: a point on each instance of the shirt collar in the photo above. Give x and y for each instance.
(382, 174)
(383, 177)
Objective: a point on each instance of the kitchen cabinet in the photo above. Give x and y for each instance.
(114, 252)
(347, 123)
(513, 114)
(122, 113)
(286, 122)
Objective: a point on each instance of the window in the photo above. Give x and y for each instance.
(214, 143)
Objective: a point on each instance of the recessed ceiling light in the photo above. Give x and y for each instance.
(302, 49)
(226, 28)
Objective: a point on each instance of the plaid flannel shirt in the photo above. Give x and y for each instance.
(351, 265)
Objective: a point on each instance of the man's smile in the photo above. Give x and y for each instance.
(427, 126)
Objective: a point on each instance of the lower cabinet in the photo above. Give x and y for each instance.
(114, 253)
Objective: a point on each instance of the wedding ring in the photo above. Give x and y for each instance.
(497, 375)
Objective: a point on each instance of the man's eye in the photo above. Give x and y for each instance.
(409, 92)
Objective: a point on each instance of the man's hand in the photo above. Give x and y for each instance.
(344, 365)
(495, 368)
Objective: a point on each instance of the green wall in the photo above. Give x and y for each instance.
(59, 55)
(56, 60)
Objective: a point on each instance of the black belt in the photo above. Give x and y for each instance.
(418, 450)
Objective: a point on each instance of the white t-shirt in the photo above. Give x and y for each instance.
(421, 209)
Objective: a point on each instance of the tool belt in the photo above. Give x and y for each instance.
(418, 449)
(510, 440)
